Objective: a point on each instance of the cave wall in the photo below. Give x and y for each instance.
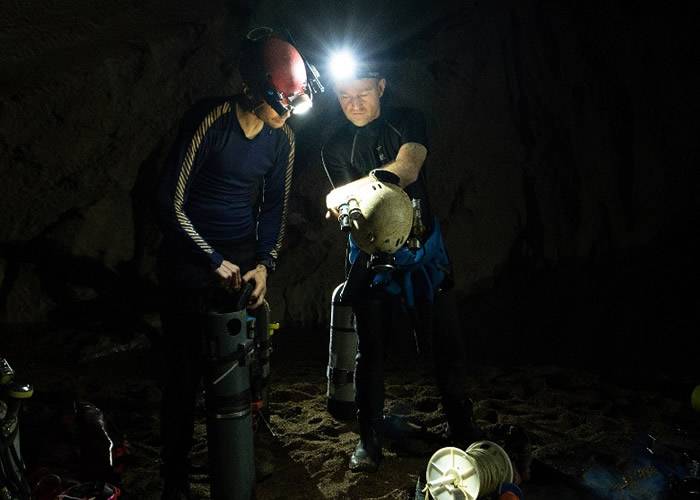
(557, 135)
(91, 96)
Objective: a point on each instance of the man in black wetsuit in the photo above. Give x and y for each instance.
(222, 205)
(393, 144)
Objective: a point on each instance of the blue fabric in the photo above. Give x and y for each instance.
(512, 488)
(227, 173)
(418, 274)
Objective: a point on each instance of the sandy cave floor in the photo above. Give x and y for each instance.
(577, 420)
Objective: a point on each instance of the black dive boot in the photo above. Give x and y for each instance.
(368, 452)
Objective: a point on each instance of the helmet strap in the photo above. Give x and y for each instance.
(249, 101)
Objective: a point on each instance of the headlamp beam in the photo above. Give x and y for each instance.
(343, 65)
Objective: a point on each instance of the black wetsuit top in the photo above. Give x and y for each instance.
(221, 190)
(352, 152)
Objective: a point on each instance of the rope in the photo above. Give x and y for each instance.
(493, 465)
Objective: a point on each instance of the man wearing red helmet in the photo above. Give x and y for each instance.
(222, 205)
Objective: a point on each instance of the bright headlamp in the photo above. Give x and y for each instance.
(297, 104)
(300, 104)
(344, 65)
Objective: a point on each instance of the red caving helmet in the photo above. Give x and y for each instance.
(274, 70)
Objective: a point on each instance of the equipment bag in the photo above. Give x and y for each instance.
(13, 482)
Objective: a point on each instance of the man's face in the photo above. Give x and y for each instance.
(269, 116)
(360, 99)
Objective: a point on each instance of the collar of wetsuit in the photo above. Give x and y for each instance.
(372, 128)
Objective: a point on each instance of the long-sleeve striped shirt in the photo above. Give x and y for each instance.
(221, 187)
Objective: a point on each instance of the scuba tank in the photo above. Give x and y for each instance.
(229, 348)
(342, 349)
(13, 483)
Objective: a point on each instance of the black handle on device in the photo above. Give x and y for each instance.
(244, 296)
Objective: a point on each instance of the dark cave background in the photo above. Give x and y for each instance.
(562, 165)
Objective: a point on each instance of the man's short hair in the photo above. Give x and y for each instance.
(367, 70)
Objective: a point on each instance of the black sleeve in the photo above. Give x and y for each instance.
(272, 217)
(338, 168)
(188, 154)
(412, 127)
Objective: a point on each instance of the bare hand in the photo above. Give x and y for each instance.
(230, 275)
(259, 276)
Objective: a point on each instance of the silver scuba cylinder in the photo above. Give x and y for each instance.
(342, 350)
(230, 348)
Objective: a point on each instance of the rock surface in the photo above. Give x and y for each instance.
(587, 428)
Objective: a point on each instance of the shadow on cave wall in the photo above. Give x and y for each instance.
(628, 315)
